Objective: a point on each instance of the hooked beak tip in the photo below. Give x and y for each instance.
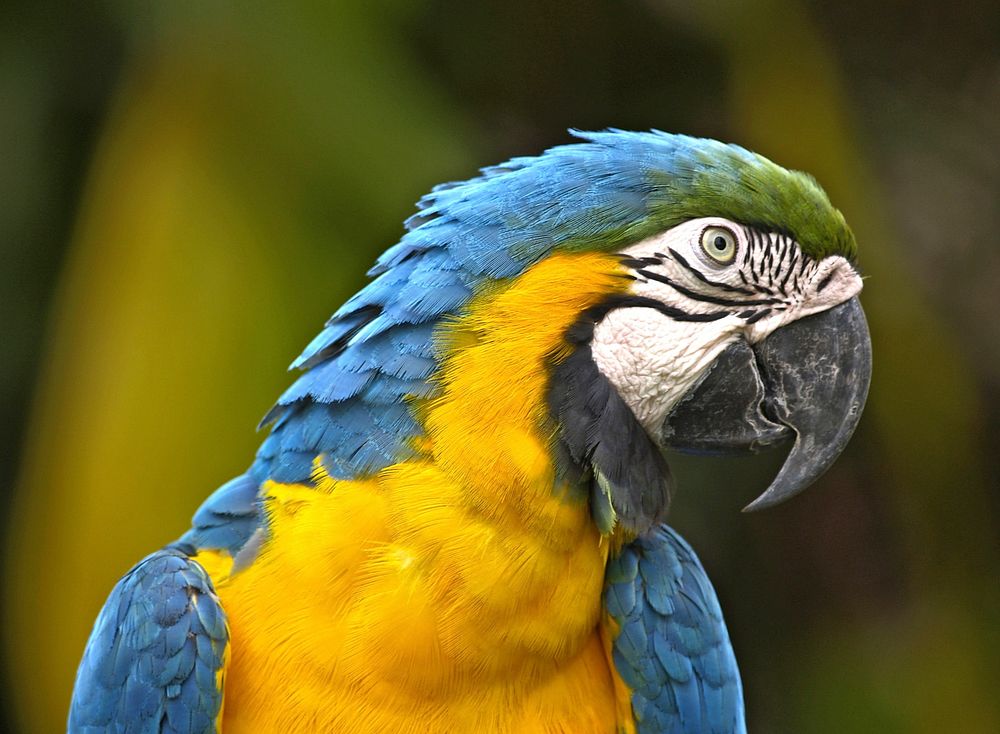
(808, 380)
(818, 370)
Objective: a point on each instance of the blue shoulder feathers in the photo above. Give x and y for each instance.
(672, 648)
(152, 660)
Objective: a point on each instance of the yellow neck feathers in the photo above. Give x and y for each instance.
(490, 429)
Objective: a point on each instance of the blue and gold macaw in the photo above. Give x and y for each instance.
(457, 520)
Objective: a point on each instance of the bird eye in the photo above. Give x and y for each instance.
(719, 244)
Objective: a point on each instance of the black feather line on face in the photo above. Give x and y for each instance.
(682, 261)
(599, 437)
(704, 297)
(582, 331)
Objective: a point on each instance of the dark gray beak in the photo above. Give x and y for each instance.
(807, 381)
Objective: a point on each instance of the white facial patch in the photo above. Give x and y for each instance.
(695, 297)
(652, 360)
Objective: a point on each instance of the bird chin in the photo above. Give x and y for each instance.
(806, 383)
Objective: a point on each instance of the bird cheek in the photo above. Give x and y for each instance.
(652, 360)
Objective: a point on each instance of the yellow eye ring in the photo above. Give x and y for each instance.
(719, 244)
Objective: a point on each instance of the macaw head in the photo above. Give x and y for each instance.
(728, 321)
(740, 330)
(730, 338)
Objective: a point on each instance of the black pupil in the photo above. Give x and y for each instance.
(720, 242)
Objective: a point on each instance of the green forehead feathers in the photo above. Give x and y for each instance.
(714, 179)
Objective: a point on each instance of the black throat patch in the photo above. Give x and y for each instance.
(601, 442)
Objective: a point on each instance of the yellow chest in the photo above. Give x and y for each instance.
(383, 606)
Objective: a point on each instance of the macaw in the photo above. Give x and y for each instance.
(456, 522)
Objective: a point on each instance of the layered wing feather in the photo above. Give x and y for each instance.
(669, 641)
(155, 659)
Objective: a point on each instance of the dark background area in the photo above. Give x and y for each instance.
(187, 190)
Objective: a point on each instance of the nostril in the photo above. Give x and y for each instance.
(829, 271)
(834, 270)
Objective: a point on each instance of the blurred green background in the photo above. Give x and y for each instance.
(188, 189)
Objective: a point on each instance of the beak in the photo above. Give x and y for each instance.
(806, 382)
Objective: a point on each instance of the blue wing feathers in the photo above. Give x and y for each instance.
(152, 660)
(622, 568)
(672, 648)
(620, 599)
(331, 338)
(229, 516)
(330, 382)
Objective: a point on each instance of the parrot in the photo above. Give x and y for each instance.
(457, 520)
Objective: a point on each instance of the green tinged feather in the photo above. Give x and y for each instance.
(746, 187)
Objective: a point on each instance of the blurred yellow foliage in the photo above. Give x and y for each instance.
(232, 205)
